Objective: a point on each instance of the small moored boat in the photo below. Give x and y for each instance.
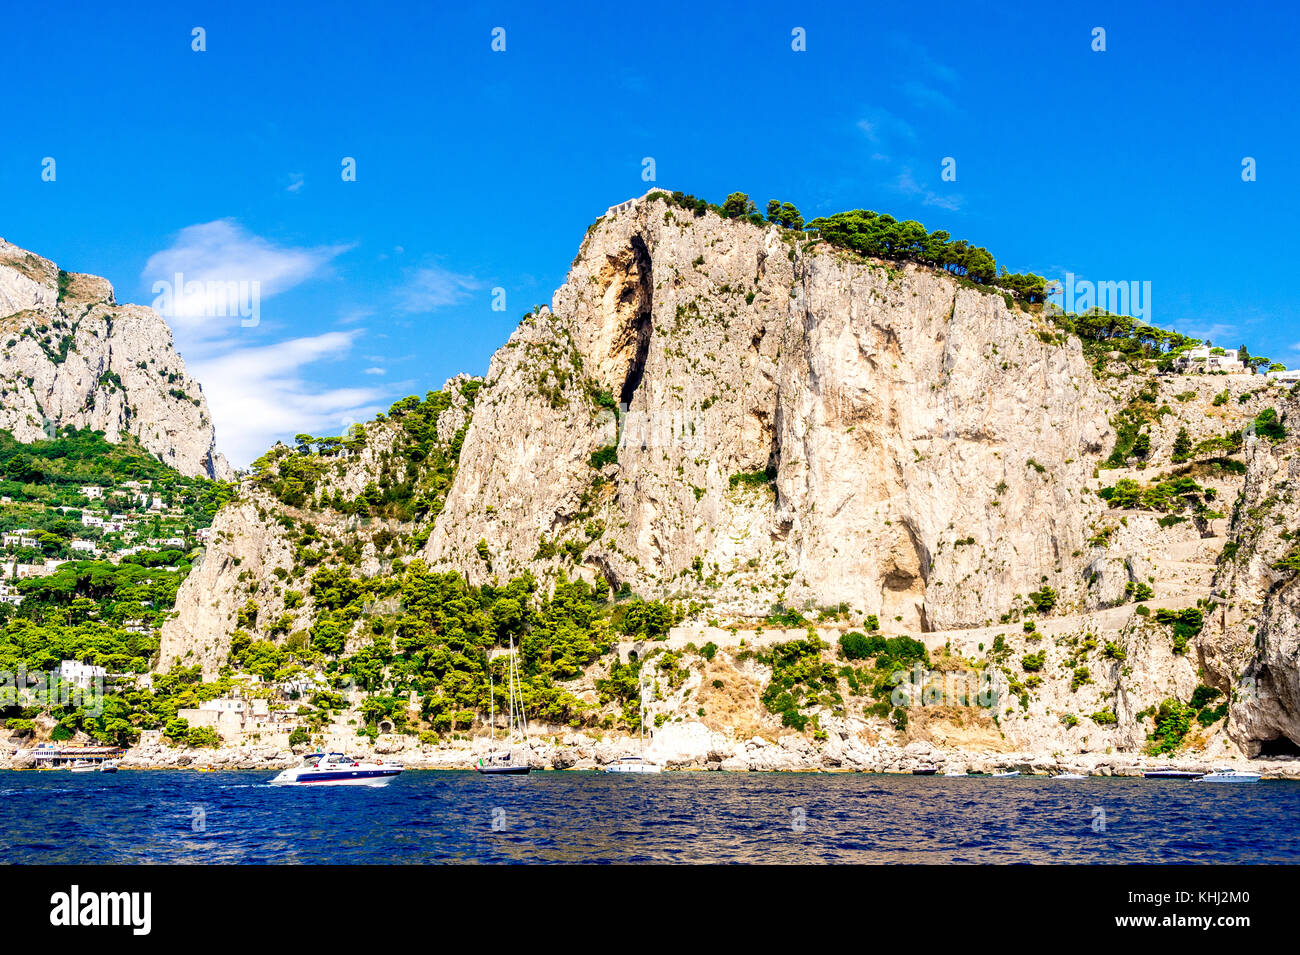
(637, 764)
(1230, 775)
(505, 764)
(1010, 774)
(633, 764)
(502, 765)
(1069, 776)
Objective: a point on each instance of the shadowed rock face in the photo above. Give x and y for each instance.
(1250, 645)
(925, 449)
(71, 356)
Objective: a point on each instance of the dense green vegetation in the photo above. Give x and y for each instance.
(736, 206)
(98, 611)
(1102, 333)
(878, 235)
(41, 477)
(889, 657)
(410, 482)
(883, 236)
(438, 644)
(800, 678)
(1168, 496)
(1172, 721)
(1184, 624)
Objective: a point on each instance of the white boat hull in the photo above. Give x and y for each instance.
(373, 775)
(373, 781)
(642, 768)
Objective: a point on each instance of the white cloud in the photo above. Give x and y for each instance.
(908, 185)
(295, 182)
(434, 287)
(927, 96)
(356, 315)
(923, 60)
(883, 128)
(1216, 332)
(258, 395)
(376, 371)
(226, 272)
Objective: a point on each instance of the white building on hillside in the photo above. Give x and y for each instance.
(1207, 359)
(82, 674)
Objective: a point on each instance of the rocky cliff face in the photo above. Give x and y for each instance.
(800, 427)
(71, 356)
(303, 511)
(1250, 646)
(729, 417)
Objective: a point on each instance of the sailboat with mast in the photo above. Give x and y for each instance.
(505, 764)
(636, 764)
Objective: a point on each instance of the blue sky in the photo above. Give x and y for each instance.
(478, 169)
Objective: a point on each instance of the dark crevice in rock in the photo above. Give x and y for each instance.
(641, 291)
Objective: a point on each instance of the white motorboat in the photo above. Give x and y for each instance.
(633, 764)
(1230, 775)
(1069, 776)
(1007, 775)
(84, 766)
(336, 769)
(636, 764)
(108, 766)
(954, 772)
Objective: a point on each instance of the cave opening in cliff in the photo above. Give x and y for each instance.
(1282, 746)
(640, 293)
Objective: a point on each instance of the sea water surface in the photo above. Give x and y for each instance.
(425, 817)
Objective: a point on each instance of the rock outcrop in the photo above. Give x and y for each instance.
(255, 575)
(800, 427)
(70, 356)
(1250, 646)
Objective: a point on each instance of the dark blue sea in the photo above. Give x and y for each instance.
(423, 817)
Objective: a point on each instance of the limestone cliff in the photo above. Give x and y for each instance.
(800, 427)
(71, 356)
(1251, 642)
(732, 416)
(357, 504)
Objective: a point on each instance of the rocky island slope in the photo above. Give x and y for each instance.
(71, 356)
(842, 510)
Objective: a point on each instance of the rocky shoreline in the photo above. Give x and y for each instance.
(693, 747)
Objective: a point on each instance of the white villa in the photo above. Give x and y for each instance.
(1207, 359)
(82, 674)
